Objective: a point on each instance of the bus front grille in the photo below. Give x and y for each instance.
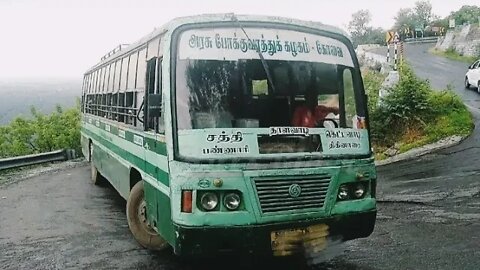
(277, 194)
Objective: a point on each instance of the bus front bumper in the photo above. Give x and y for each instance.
(257, 239)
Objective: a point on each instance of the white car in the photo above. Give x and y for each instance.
(472, 78)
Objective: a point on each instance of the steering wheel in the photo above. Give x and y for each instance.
(329, 123)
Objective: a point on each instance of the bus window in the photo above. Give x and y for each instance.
(161, 123)
(141, 69)
(115, 107)
(104, 78)
(99, 80)
(129, 110)
(121, 107)
(109, 106)
(154, 82)
(123, 76)
(349, 97)
(94, 85)
(132, 71)
(116, 82)
(107, 78)
(111, 77)
(215, 93)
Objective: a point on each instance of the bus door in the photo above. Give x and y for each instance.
(152, 113)
(154, 128)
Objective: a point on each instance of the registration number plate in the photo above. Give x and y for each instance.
(291, 241)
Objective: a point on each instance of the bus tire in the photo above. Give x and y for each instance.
(146, 236)
(95, 176)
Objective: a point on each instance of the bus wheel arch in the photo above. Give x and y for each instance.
(135, 177)
(95, 176)
(137, 220)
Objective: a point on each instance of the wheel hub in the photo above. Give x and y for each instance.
(142, 212)
(142, 217)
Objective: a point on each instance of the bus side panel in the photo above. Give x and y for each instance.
(117, 173)
(159, 212)
(150, 199)
(114, 170)
(84, 145)
(165, 224)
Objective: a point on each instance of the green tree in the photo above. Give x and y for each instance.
(466, 14)
(420, 16)
(375, 35)
(61, 129)
(359, 23)
(41, 133)
(405, 18)
(440, 23)
(361, 32)
(407, 105)
(423, 13)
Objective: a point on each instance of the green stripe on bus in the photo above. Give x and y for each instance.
(154, 145)
(137, 148)
(141, 163)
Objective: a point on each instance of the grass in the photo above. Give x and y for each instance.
(454, 123)
(453, 55)
(445, 115)
(449, 122)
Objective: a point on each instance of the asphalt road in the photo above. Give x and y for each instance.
(429, 213)
(441, 72)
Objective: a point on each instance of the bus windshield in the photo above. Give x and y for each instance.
(232, 103)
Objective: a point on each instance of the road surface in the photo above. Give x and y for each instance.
(440, 71)
(429, 213)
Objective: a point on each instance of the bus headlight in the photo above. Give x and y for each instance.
(359, 191)
(209, 201)
(343, 192)
(231, 201)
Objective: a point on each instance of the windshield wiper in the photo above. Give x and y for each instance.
(262, 59)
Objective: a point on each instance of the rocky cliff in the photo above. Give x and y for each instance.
(465, 40)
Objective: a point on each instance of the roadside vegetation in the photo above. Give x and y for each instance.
(41, 133)
(409, 22)
(454, 55)
(412, 115)
(467, 14)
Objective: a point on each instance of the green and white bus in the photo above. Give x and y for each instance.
(207, 128)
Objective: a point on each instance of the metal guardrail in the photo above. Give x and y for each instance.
(17, 162)
(421, 40)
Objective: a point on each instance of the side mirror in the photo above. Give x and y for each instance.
(154, 105)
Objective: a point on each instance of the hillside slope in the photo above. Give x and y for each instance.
(17, 96)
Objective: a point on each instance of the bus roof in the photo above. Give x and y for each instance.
(224, 17)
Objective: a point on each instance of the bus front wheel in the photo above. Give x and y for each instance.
(145, 235)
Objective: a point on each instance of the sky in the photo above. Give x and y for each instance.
(63, 38)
